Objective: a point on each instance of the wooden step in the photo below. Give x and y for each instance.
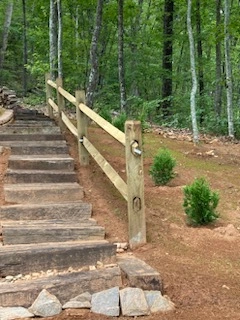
(64, 287)
(28, 258)
(29, 130)
(39, 176)
(26, 232)
(29, 117)
(73, 211)
(36, 147)
(43, 192)
(29, 123)
(30, 137)
(41, 162)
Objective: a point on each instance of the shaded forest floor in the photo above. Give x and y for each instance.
(200, 266)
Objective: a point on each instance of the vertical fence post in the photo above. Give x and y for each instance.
(135, 183)
(82, 124)
(48, 95)
(60, 101)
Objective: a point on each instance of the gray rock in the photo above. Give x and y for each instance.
(133, 302)
(86, 296)
(14, 313)
(106, 302)
(77, 305)
(83, 301)
(46, 305)
(157, 302)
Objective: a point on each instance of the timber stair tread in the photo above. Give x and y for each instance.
(77, 210)
(55, 223)
(42, 192)
(41, 162)
(37, 176)
(29, 137)
(50, 232)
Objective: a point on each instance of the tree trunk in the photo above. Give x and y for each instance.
(200, 59)
(53, 39)
(25, 55)
(167, 56)
(229, 86)
(135, 29)
(193, 71)
(93, 76)
(121, 73)
(59, 10)
(218, 89)
(6, 27)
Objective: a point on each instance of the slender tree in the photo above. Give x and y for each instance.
(167, 57)
(93, 75)
(25, 54)
(59, 10)
(6, 27)
(229, 85)
(218, 58)
(121, 72)
(136, 27)
(200, 59)
(193, 72)
(53, 38)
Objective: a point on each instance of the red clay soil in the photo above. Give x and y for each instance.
(200, 266)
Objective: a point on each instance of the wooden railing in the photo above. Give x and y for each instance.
(133, 189)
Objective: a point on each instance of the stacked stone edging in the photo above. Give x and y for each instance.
(111, 302)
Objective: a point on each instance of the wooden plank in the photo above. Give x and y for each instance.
(118, 182)
(135, 183)
(53, 104)
(27, 258)
(42, 233)
(139, 274)
(67, 95)
(75, 211)
(108, 127)
(69, 124)
(52, 83)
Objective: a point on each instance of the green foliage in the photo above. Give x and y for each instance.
(162, 167)
(119, 121)
(200, 202)
(105, 113)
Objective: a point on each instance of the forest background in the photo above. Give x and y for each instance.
(175, 63)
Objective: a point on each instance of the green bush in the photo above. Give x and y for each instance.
(119, 122)
(200, 202)
(162, 167)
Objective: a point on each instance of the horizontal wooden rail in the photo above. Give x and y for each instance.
(67, 95)
(69, 124)
(108, 127)
(52, 84)
(53, 104)
(107, 168)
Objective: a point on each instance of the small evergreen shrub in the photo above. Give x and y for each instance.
(161, 170)
(200, 202)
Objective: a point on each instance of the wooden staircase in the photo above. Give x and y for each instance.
(46, 225)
